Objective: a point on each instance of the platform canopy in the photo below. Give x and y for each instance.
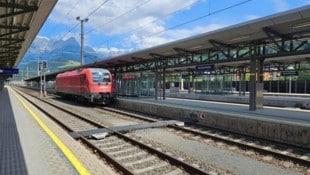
(20, 22)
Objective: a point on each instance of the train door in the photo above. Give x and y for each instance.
(83, 85)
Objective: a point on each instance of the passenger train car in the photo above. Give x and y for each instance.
(94, 85)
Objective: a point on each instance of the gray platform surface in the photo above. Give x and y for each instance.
(24, 147)
(293, 115)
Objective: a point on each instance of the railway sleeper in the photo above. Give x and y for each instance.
(145, 170)
(139, 161)
(124, 152)
(132, 157)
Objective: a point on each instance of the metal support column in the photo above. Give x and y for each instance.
(240, 81)
(164, 84)
(189, 81)
(156, 84)
(41, 83)
(252, 85)
(256, 79)
(1, 82)
(260, 85)
(140, 84)
(243, 83)
(193, 81)
(44, 84)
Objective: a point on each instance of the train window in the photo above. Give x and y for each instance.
(96, 77)
(100, 77)
(106, 77)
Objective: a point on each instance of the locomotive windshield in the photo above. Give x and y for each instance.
(100, 76)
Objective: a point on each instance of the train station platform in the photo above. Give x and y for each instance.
(291, 125)
(32, 144)
(270, 99)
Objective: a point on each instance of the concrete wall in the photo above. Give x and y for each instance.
(238, 99)
(284, 132)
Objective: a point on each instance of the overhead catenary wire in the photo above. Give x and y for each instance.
(191, 20)
(144, 26)
(94, 11)
(201, 17)
(76, 25)
(121, 15)
(67, 14)
(90, 14)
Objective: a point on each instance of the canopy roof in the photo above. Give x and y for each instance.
(20, 22)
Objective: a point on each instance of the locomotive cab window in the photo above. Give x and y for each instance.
(106, 77)
(101, 77)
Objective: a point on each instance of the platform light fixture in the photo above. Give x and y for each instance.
(300, 25)
(240, 37)
(196, 47)
(82, 37)
(167, 53)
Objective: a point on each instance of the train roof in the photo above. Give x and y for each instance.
(82, 70)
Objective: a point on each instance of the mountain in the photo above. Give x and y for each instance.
(59, 54)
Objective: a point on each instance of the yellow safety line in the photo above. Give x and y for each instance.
(75, 162)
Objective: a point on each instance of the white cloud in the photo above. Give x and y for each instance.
(117, 17)
(251, 17)
(112, 51)
(43, 37)
(146, 41)
(280, 5)
(142, 23)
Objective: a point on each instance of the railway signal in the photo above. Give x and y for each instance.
(42, 68)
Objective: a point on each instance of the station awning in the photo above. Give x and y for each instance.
(293, 23)
(20, 22)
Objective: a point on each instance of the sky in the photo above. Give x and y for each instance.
(118, 26)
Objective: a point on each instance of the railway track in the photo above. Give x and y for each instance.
(126, 154)
(249, 146)
(282, 151)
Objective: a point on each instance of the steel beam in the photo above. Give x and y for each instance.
(273, 35)
(137, 59)
(22, 9)
(219, 46)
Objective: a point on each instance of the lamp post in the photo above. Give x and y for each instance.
(82, 37)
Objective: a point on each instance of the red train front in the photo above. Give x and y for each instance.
(94, 85)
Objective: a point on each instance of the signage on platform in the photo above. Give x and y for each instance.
(128, 76)
(9, 71)
(289, 73)
(205, 68)
(185, 76)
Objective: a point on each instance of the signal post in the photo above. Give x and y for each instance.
(42, 69)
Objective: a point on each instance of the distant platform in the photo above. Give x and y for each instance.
(270, 99)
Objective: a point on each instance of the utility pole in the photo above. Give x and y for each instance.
(82, 38)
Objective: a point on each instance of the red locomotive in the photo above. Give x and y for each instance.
(94, 85)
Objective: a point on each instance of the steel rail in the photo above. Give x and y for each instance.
(118, 165)
(174, 161)
(232, 142)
